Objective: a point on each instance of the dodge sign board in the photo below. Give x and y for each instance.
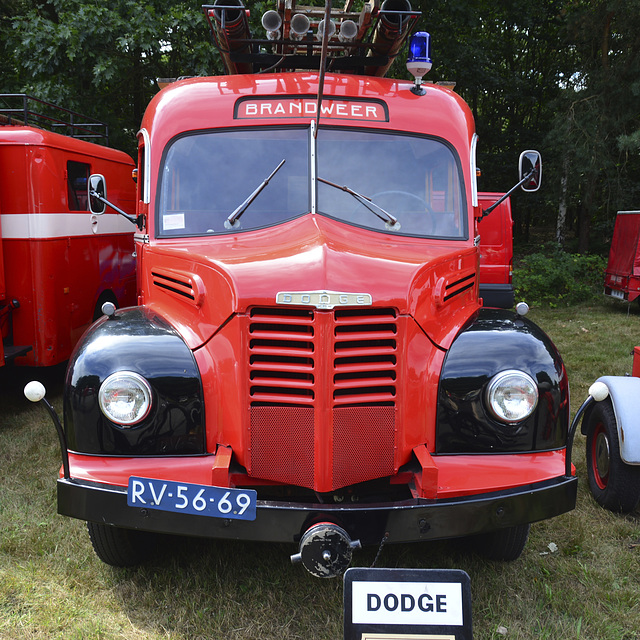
(411, 604)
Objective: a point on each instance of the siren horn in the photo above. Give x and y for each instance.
(299, 26)
(348, 31)
(271, 21)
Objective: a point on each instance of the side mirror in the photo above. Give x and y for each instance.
(530, 170)
(97, 194)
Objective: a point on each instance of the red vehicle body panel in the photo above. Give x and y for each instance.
(496, 251)
(58, 259)
(622, 275)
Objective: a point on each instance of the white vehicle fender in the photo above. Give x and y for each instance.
(624, 392)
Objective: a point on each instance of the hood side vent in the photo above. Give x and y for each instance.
(459, 286)
(187, 287)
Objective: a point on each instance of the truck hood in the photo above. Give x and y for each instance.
(199, 284)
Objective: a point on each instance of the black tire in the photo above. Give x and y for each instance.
(119, 547)
(614, 484)
(504, 545)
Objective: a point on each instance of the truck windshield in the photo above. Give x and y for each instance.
(365, 178)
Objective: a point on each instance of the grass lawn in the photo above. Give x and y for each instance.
(53, 586)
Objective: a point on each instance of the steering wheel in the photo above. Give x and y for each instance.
(425, 224)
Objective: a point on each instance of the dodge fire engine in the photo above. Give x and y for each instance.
(309, 360)
(58, 262)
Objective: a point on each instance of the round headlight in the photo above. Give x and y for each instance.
(512, 396)
(125, 398)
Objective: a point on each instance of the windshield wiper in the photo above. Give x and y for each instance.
(390, 221)
(232, 221)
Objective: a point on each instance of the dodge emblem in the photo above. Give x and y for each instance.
(324, 299)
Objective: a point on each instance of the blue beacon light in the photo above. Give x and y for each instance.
(419, 59)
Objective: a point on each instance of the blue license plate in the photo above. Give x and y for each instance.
(197, 499)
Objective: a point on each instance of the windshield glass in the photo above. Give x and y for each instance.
(415, 180)
(232, 181)
(207, 176)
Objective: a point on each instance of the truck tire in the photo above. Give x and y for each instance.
(614, 484)
(503, 544)
(119, 547)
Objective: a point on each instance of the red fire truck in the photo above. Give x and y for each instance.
(622, 275)
(58, 262)
(309, 360)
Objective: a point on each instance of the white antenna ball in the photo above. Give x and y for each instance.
(34, 391)
(599, 391)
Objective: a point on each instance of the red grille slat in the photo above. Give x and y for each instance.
(285, 384)
(359, 383)
(266, 333)
(364, 351)
(281, 319)
(282, 373)
(362, 367)
(263, 397)
(278, 350)
(363, 400)
(348, 336)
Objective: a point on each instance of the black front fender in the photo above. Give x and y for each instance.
(137, 340)
(494, 341)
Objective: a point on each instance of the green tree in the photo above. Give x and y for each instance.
(505, 61)
(103, 59)
(596, 130)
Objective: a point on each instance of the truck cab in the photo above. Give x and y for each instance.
(309, 360)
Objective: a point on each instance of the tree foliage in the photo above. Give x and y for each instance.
(597, 126)
(562, 76)
(553, 277)
(104, 58)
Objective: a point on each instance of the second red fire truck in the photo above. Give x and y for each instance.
(59, 262)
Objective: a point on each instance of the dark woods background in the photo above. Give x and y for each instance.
(559, 76)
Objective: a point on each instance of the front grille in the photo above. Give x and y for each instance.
(322, 392)
(288, 457)
(364, 369)
(281, 357)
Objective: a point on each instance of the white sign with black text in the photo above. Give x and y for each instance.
(407, 603)
(412, 604)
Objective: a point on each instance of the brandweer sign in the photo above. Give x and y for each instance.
(304, 107)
